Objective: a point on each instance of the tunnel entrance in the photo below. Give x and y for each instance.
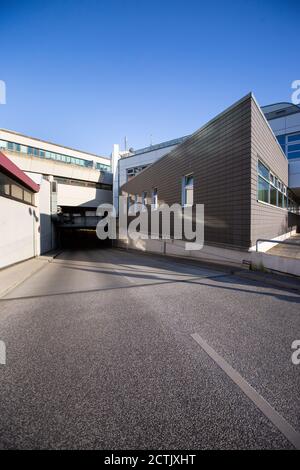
(76, 228)
(83, 239)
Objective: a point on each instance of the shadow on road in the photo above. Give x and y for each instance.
(158, 271)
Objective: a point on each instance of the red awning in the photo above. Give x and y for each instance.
(14, 172)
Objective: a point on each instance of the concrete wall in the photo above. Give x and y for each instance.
(275, 263)
(69, 195)
(18, 224)
(51, 167)
(176, 248)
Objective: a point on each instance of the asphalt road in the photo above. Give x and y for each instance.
(100, 356)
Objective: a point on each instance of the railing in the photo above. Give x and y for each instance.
(275, 242)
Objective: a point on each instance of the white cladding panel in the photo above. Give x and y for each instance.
(17, 234)
(68, 195)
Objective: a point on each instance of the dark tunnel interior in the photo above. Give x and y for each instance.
(83, 239)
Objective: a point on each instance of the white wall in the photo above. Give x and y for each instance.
(17, 231)
(140, 160)
(68, 195)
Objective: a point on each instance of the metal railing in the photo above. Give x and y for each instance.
(275, 242)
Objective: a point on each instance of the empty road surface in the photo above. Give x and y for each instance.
(100, 355)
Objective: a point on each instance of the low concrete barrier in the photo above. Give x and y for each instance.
(263, 261)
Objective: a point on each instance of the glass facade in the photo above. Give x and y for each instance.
(35, 152)
(102, 167)
(272, 191)
(290, 144)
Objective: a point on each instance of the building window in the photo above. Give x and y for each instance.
(4, 185)
(131, 172)
(13, 147)
(273, 196)
(188, 190)
(290, 144)
(9, 188)
(16, 191)
(271, 190)
(101, 166)
(27, 196)
(144, 198)
(154, 199)
(263, 171)
(263, 190)
(294, 138)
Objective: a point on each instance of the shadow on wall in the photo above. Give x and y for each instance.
(294, 221)
(47, 235)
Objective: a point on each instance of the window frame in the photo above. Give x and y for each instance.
(184, 188)
(10, 182)
(154, 199)
(274, 183)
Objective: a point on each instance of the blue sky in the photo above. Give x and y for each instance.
(87, 73)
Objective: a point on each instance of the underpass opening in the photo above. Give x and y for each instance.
(83, 239)
(76, 228)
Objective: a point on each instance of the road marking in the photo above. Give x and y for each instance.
(281, 423)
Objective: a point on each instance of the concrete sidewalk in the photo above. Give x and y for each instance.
(287, 251)
(12, 276)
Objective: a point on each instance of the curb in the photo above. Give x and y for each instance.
(293, 285)
(50, 257)
(242, 271)
(46, 259)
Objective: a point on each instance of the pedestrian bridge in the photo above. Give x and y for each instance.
(78, 220)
